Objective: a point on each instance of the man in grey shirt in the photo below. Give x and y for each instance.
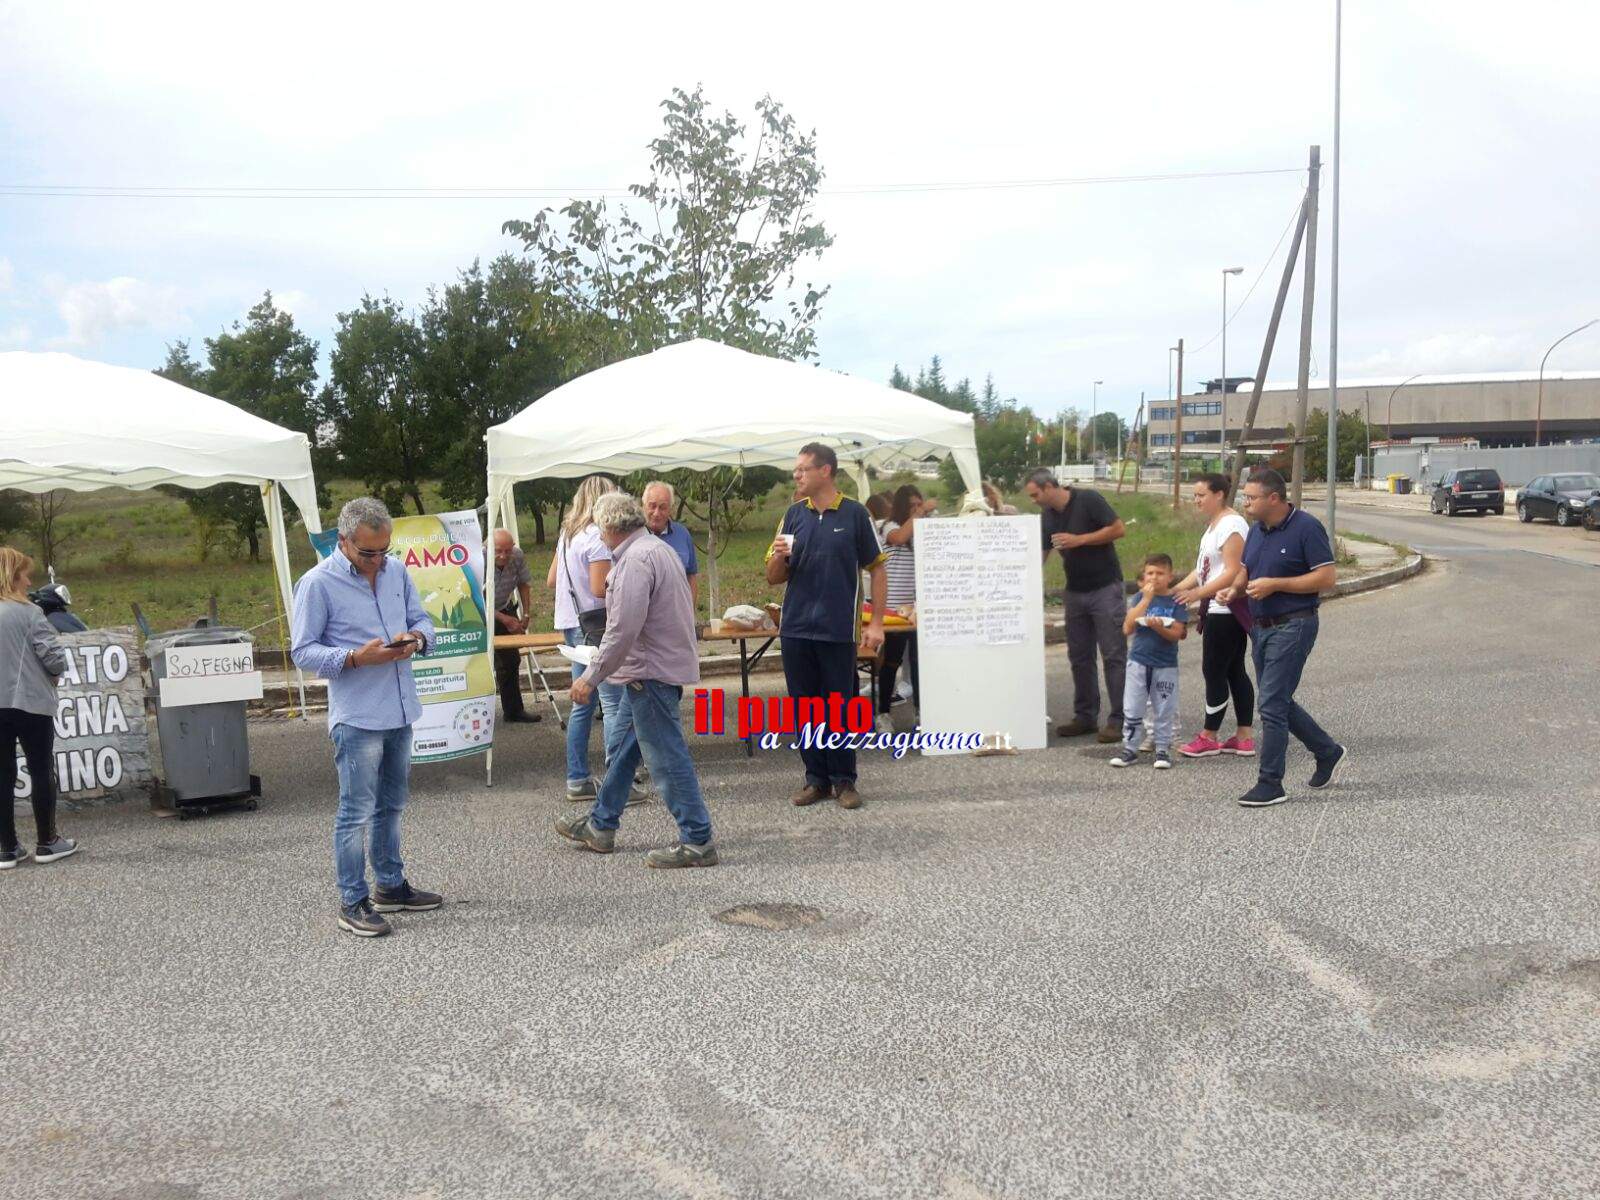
(511, 578)
(650, 649)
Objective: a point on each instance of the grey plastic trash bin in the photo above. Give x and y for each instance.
(205, 748)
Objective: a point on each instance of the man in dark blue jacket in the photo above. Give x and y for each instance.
(824, 542)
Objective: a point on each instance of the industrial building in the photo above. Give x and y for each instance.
(1492, 410)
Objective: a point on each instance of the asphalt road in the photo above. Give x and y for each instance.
(1031, 976)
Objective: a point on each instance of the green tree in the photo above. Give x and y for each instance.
(267, 367)
(899, 380)
(382, 428)
(13, 511)
(728, 222)
(487, 352)
(989, 403)
(1352, 443)
(1102, 433)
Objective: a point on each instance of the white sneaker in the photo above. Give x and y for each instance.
(884, 723)
(1149, 742)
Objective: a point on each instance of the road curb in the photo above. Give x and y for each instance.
(1378, 579)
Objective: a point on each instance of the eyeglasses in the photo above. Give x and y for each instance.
(371, 553)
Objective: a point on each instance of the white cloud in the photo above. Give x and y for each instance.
(1450, 353)
(15, 337)
(93, 310)
(294, 302)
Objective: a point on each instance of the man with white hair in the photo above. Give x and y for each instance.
(357, 622)
(649, 648)
(659, 499)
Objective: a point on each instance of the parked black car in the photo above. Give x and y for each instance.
(1563, 499)
(1591, 515)
(1469, 489)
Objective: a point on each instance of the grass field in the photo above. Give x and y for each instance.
(142, 547)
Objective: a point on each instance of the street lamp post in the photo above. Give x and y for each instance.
(1226, 271)
(1388, 423)
(1538, 417)
(1094, 402)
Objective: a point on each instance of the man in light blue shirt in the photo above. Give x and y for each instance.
(659, 499)
(357, 622)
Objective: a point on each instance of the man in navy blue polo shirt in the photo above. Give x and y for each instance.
(1287, 561)
(824, 542)
(658, 499)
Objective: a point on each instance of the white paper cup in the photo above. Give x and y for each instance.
(788, 542)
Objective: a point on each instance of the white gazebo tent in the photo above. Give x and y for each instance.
(69, 423)
(701, 405)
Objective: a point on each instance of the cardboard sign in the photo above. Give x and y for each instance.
(209, 675)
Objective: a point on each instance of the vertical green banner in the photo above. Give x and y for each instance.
(455, 681)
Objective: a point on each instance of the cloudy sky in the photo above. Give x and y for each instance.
(1470, 189)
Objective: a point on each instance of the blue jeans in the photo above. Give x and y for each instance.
(1280, 656)
(653, 728)
(374, 781)
(609, 697)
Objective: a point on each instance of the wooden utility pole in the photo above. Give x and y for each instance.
(1266, 352)
(1306, 304)
(1132, 448)
(1177, 433)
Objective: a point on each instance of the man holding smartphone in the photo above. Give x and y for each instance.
(357, 622)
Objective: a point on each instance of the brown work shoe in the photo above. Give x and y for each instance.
(1109, 733)
(1074, 728)
(848, 797)
(809, 794)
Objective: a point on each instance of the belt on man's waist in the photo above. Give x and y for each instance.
(1298, 614)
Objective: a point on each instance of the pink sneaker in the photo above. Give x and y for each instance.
(1243, 747)
(1203, 746)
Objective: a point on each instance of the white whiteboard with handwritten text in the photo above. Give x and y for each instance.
(980, 628)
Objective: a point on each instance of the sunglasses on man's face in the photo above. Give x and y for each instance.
(380, 553)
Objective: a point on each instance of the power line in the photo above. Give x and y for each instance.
(1271, 258)
(196, 192)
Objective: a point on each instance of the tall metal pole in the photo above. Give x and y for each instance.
(1177, 431)
(1333, 280)
(1222, 454)
(1307, 302)
(1538, 418)
(1094, 408)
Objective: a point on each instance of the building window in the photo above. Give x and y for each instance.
(1200, 437)
(1202, 408)
(1161, 439)
(1164, 412)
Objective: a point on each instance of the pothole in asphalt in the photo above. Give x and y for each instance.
(775, 916)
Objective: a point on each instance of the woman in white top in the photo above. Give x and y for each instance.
(1225, 629)
(896, 532)
(578, 575)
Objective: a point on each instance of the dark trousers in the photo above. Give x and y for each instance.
(1094, 622)
(812, 668)
(38, 737)
(508, 676)
(1280, 654)
(897, 647)
(1222, 663)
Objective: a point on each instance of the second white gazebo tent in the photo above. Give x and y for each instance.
(701, 405)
